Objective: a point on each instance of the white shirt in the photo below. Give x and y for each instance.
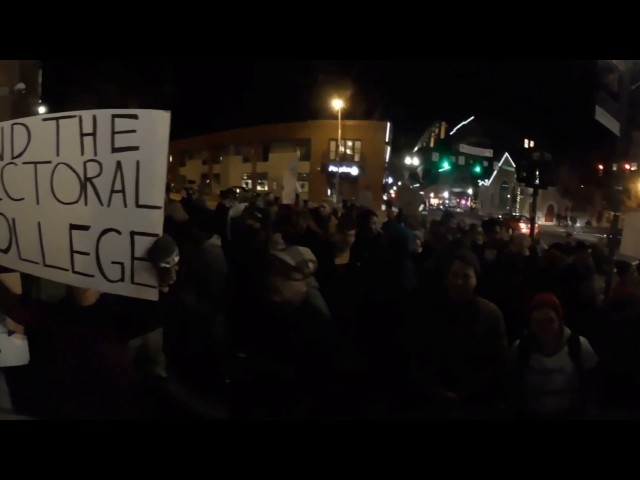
(551, 383)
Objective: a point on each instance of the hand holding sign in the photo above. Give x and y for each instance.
(81, 197)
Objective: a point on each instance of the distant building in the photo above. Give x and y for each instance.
(502, 194)
(455, 162)
(256, 158)
(20, 88)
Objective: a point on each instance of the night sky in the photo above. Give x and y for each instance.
(550, 100)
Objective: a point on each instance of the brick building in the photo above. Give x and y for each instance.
(255, 157)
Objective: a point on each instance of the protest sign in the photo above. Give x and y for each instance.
(82, 197)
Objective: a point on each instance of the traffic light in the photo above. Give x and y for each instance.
(600, 169)
(445, 165)
(477, 169)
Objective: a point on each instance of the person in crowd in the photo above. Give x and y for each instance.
(458, 349)
(283, 342)
(553, 368)
(81, 365)
(319, 238)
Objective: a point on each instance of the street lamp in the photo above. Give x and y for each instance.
(42, 109)
(338, 104)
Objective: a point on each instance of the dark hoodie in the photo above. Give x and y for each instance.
(460, 348)
(79, 364)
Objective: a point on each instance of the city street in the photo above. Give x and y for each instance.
(548, 233)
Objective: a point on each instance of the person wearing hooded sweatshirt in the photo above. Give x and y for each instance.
(551, 365)
(284, 341)
(457, 347)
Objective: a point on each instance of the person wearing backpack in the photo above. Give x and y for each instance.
(553, 368)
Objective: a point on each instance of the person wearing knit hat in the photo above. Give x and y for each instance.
(552, 364)
(627, 288)
(547, 320)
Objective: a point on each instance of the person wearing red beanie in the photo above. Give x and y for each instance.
(552, 364)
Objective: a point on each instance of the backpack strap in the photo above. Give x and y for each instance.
(525, 350)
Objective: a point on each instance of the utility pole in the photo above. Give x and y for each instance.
(538, 179)
(535, 174)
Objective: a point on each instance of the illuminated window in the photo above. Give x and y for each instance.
(246, 181)
(348, 149)
(357, 150)
(332, 149)
(262, 186)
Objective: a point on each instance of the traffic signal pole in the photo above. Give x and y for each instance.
(534, 212)
(618, 176)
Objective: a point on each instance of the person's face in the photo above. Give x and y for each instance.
(324, 209)
(344, 240)
(168, 272)
(167, 276)
(545, 325)
(373, 223)
(493, 234)
(461, 281)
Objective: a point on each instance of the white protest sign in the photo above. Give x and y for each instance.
(290, 182)
(630, 245)
(82, 197)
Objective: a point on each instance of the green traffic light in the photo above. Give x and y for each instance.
(477, 169)
(445, 166)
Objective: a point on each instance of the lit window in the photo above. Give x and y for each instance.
(357, 150)
(349, 147)
(332, 149)
(246, 181)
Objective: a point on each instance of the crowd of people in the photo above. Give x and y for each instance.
(286, 312)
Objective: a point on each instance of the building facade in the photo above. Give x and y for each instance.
(257, 158)
(20, 88)
(502, 193)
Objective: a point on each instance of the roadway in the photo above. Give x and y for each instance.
(548, 233)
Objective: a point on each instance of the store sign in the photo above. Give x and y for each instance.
(353, 170)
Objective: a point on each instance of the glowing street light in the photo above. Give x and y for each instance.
(338, 104)
(42, 109)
